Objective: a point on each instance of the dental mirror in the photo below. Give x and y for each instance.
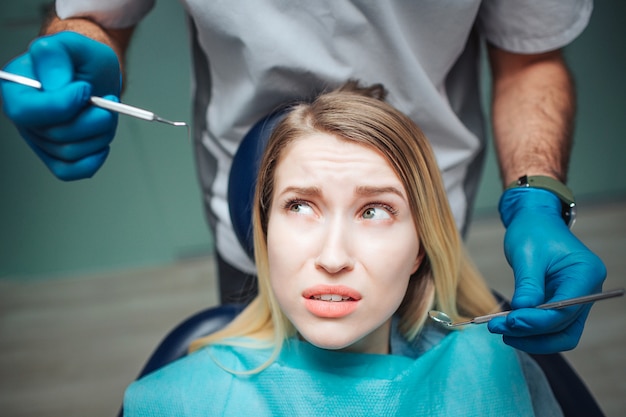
(441, 318)
(444, 320)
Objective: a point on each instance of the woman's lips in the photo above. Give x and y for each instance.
(331, 301)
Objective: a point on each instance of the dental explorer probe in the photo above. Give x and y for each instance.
(444, 320)
(97, 101)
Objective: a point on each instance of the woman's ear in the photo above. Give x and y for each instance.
(418, 259)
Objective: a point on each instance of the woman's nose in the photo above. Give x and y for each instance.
(335, 254)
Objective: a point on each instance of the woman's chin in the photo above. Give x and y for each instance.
(329, 343)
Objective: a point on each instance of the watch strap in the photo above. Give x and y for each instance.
(557, 187)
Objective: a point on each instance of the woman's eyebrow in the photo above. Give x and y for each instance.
(367, 191)
(304, 191)
(362, 190)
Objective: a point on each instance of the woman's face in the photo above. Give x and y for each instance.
(341, 243)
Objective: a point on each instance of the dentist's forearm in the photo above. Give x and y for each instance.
(533, 112)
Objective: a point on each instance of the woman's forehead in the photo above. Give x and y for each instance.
(331, 145)
(319, 158)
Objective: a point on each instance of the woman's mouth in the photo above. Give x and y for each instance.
(331, 297)
(331, 301)
(331, 293)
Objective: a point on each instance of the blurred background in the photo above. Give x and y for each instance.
(93, 273)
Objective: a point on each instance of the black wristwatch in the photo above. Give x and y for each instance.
(566, 195)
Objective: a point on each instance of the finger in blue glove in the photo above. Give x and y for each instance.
(549, 264)
(68, 134)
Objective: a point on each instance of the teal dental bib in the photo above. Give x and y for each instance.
(471, 372)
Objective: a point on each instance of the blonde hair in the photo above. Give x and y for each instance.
(446, 280)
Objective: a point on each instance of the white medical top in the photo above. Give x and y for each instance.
(250, 57)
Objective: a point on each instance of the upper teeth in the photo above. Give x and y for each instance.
(330, 297)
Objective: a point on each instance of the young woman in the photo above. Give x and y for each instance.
(354, 244)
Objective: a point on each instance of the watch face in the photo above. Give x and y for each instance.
(569, 214)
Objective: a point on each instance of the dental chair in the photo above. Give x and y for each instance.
(570, 391)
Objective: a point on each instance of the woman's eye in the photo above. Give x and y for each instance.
(376, 213)
(299, 207)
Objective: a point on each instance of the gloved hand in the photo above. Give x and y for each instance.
(549, 264)
(68, 134)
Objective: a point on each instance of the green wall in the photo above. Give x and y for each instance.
(143, 207)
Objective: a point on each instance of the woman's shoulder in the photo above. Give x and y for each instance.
(164, 391)
(214, 359)
(187, 365)
(206, 373)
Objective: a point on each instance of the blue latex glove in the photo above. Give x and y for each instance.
(68, 134)
(549, 264)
